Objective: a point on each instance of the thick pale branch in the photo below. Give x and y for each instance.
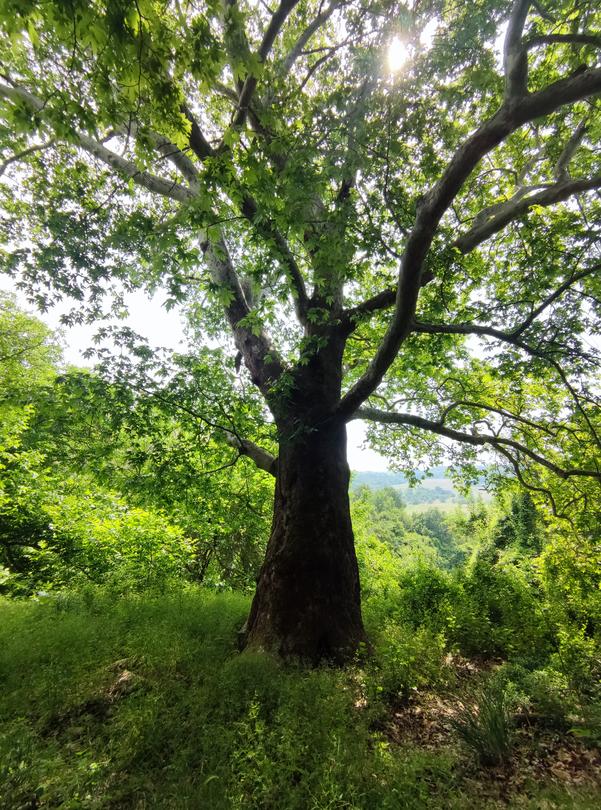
(157, 185)
(261, 457)
(270, 232)
(515, 208)
(515, 56)
(260, 357)
(475, 439)
(170, 152)
(179, 159)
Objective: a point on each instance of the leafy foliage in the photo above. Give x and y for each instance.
(92, 475)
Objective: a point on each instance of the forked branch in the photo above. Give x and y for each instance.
(515, 208)
(248, 88)
(518, 108)
(263, 459)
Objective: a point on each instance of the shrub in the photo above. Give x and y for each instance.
(579, 658)
(543, 694)
(427, 597)
(499, 613)
(406, 659)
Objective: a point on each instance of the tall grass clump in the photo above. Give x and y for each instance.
(484, 725)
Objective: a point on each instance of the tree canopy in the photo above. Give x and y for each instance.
(145, 136)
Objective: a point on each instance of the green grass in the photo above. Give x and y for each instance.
(145, 702)
(198, 726)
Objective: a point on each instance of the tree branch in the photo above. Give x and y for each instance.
(312, 28)
(503, 412)
(38, 147)
(261, 457)
(514, 208)
(557, 293)
(260, 357)
(512, 338)
(569, 150)
(198, 143)
(248, 88)
(382, 300)
(475, 439)
(170, 152)
(270, 231)
(151, 182)
(566, 39)
(515, 56)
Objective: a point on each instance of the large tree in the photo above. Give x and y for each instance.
(418, 248)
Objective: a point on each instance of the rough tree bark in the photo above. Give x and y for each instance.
(307, 603)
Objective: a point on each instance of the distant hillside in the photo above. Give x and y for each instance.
(381, 480)
(436, 490)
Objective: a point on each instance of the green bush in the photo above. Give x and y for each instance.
(578, 657)
(543, 694)
(499, 613)
(428, 597)
(406, 659)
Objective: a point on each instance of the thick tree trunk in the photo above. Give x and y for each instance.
(307, 603)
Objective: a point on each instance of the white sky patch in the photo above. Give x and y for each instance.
(147, 317)
(361, 458)
(498, 45)
(426, 38)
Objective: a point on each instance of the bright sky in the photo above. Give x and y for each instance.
(162, 328)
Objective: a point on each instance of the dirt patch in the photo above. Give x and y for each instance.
(540, 756)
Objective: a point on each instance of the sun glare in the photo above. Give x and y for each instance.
(398, 53)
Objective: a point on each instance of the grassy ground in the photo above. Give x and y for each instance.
(145, 702)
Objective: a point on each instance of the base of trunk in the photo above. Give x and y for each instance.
(307, 603)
